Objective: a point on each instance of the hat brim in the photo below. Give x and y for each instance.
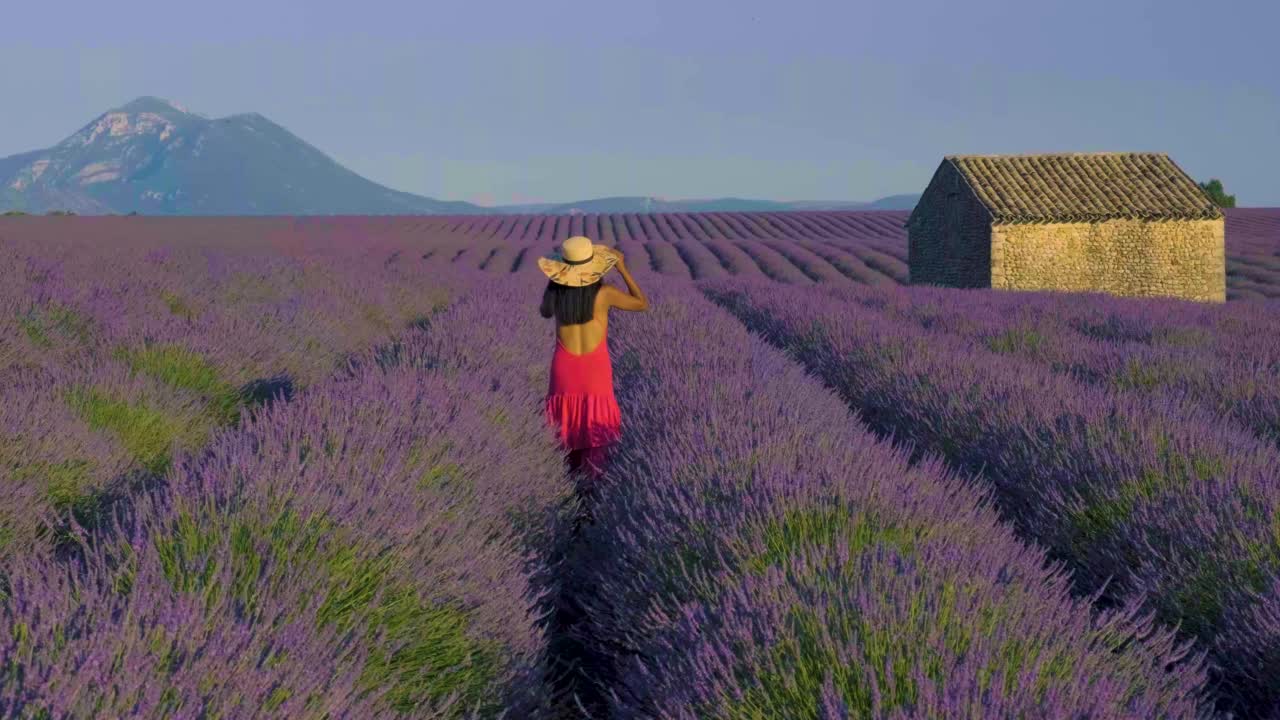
(554, 267)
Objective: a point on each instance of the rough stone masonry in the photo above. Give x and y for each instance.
(1176, 258)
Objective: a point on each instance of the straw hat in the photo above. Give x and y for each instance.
(579, 262)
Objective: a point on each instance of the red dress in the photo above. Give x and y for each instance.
(580, 402)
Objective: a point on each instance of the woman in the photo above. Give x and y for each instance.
(580, 402)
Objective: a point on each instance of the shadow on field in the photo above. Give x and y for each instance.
(74, 529)
(266, 391)
(577, 669)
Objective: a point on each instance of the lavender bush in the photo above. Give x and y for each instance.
(109, 639)
(1244, 331)
(497, 347)
(1229, 361)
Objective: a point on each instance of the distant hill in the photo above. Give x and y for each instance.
(154, 157)
(895, 202)
(651, 204)
(629, 204)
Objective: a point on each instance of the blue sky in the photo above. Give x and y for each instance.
(554, 101)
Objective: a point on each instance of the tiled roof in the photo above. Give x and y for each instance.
(1083, 187)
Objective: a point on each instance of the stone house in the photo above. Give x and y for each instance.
(1123, 223)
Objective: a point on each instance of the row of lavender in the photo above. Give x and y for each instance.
(1157, 322)
(690, 247)
(118, 352)
(756, 552)
(1227, 358)
(1148, 497)
(378, 547)
(1249, 231)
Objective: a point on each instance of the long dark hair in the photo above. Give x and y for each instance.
(570, 305)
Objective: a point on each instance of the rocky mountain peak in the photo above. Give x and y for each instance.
(151, 104)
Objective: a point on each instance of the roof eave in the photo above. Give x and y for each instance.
(1047, 219)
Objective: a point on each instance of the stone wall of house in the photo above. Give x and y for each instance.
(1177, 258)
(949, 238)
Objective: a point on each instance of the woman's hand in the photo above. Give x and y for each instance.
(621, 263)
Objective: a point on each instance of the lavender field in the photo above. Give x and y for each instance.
(842, 248)
(297, 467)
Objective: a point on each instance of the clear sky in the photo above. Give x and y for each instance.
(561, 100)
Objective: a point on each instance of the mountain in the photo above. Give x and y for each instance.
(158, 159)
(891, 202)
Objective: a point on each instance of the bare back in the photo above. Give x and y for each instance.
(582, 338)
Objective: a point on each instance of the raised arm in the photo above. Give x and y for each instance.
(636, 301)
